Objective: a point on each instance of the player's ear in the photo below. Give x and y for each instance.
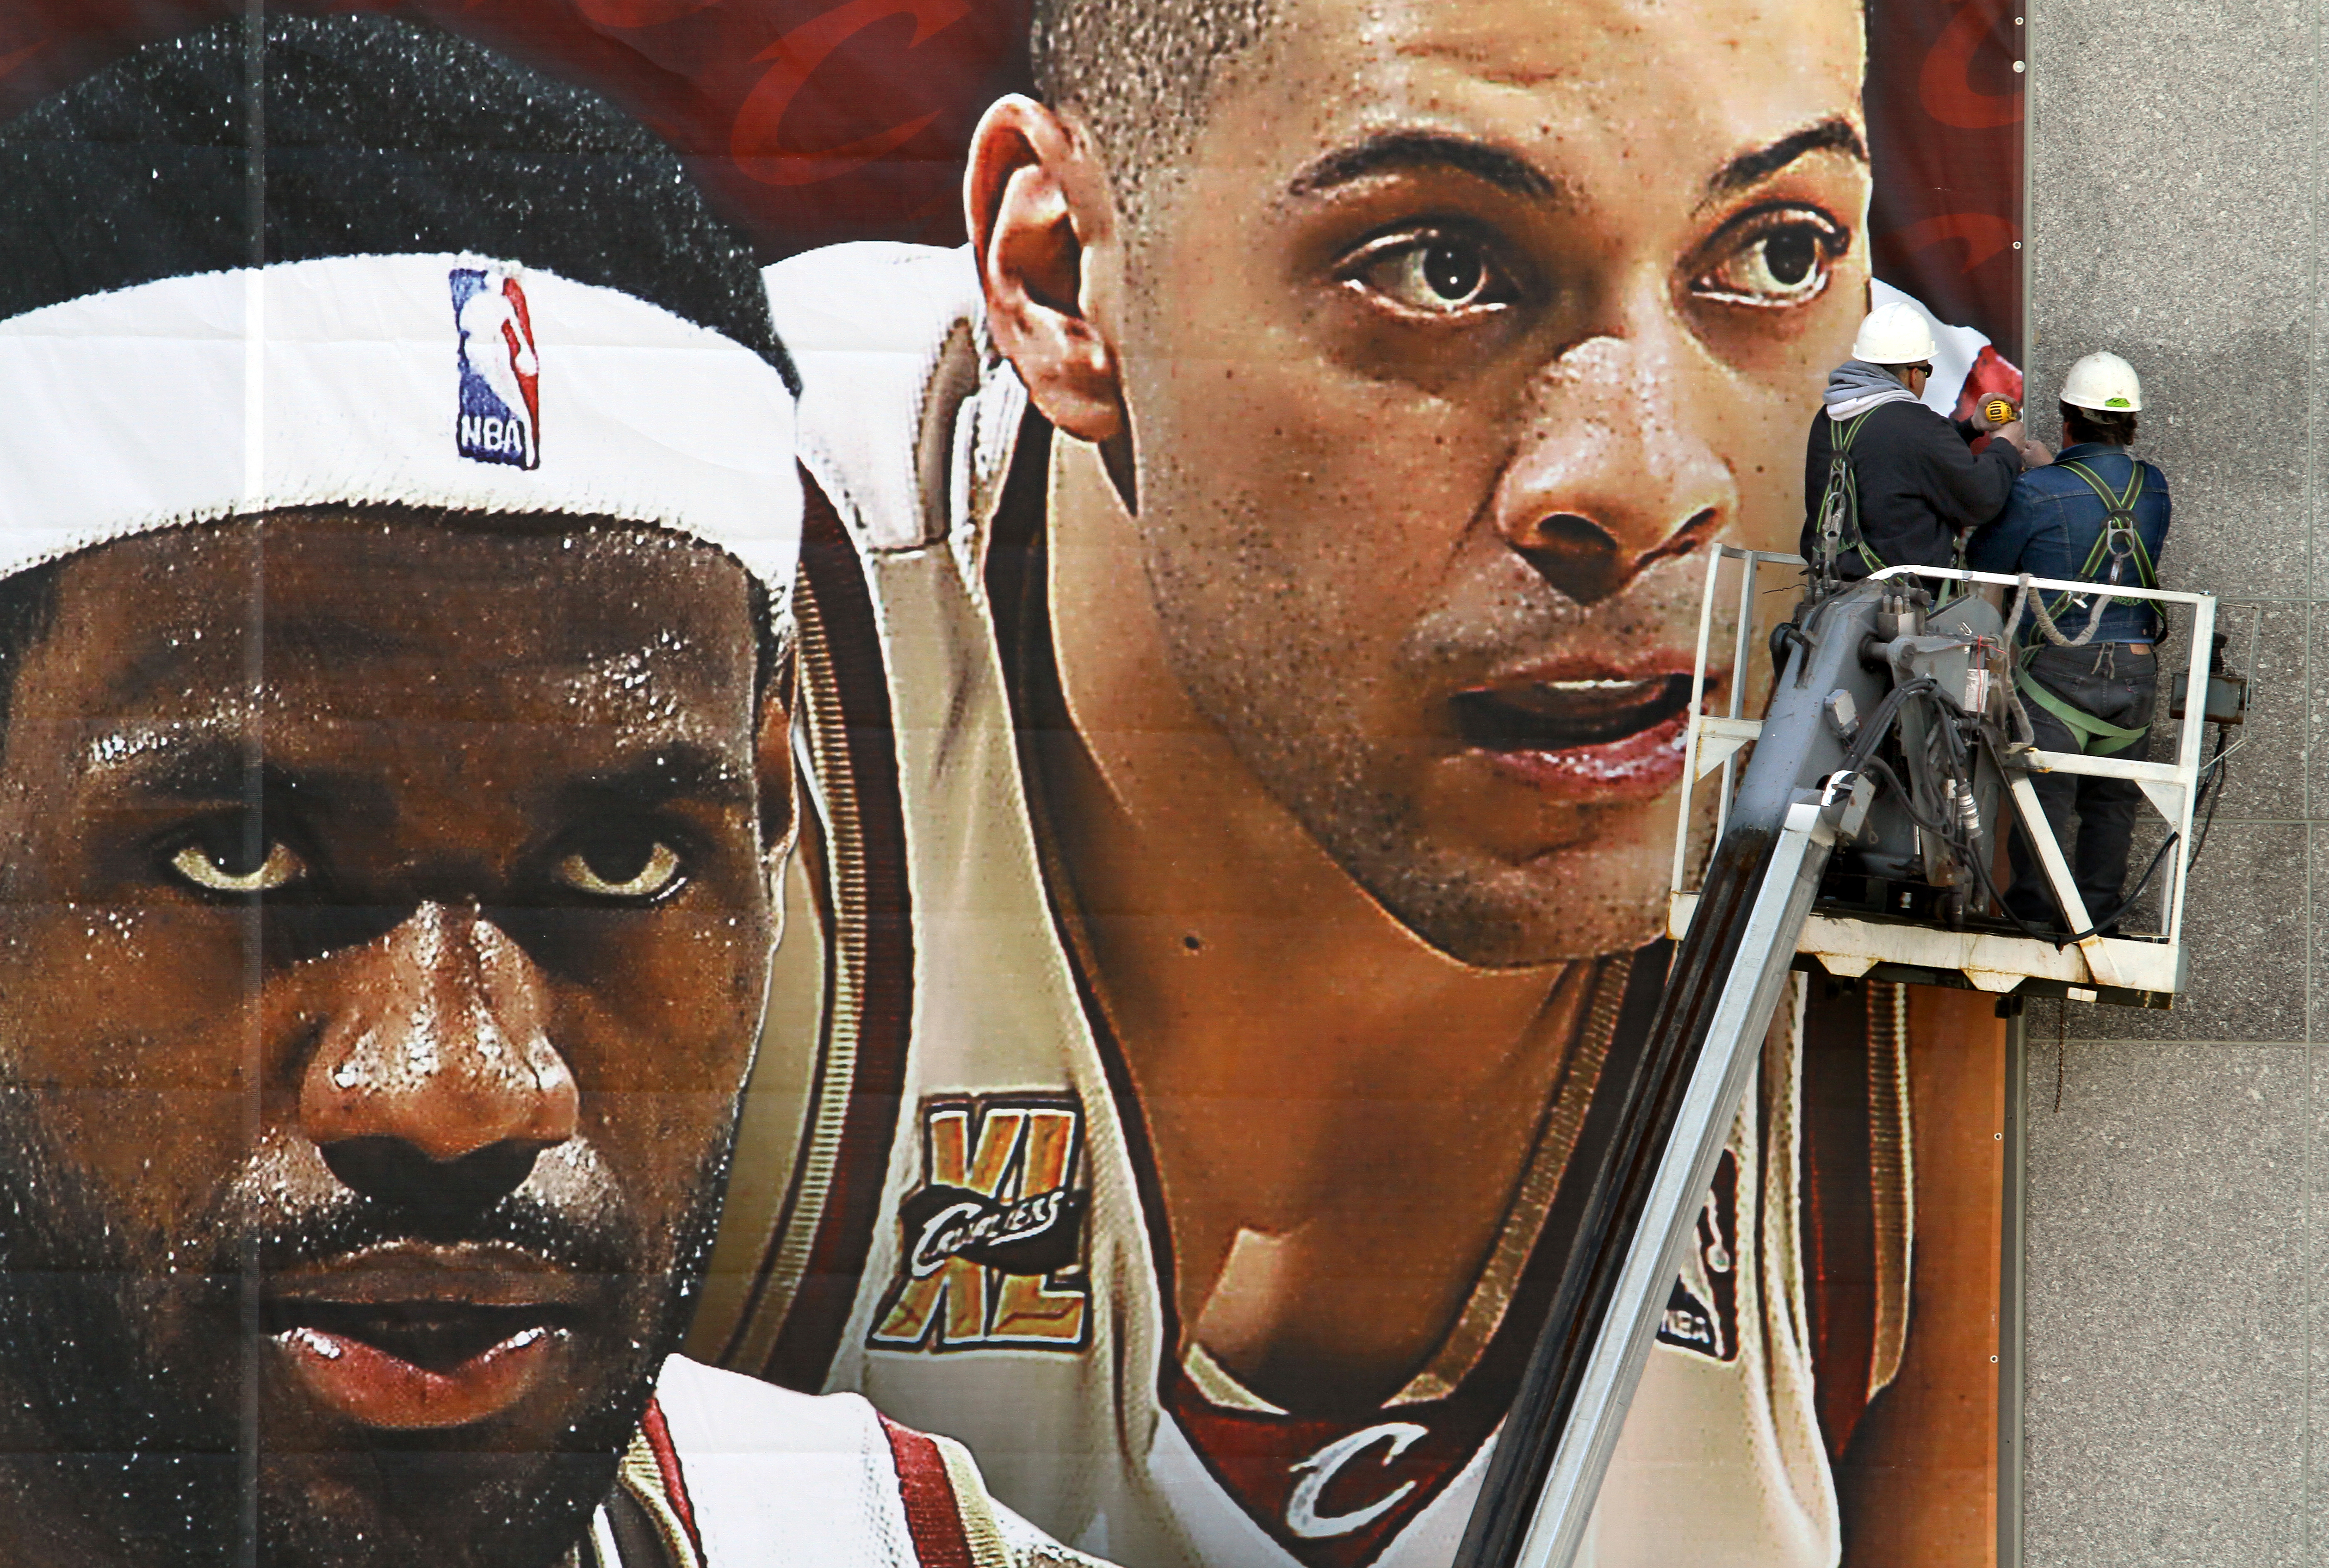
(1037, 201)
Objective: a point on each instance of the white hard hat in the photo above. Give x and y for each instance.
(1895, 334)
(2105, 382)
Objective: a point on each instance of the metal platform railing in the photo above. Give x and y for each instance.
(2144, 968)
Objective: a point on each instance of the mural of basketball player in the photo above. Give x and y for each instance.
(1254, 592)
(386, 914)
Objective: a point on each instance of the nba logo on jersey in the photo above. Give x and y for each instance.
(500, 375)
(1702, 1309)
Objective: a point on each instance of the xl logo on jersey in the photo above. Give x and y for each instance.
(1702, 1313)
(501, 374)
(991, 1245)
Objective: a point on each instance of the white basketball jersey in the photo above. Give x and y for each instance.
(728, 1472)
(968, 1234)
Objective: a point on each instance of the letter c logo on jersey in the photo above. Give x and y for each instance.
(500, 411)
(991, 1245)
(1319, 1470)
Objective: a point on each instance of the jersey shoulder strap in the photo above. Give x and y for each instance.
(648, 1521)
(953, 1521)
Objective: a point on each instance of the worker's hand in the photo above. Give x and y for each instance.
(2014, 435)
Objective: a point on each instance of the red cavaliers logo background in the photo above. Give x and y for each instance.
(812, 121)
(817, 121)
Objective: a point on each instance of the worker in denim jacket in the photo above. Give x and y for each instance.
(2097, 514)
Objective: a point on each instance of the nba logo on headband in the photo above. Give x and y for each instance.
(500, 375)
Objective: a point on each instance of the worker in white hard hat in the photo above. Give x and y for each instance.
(2100, 514)
(1887, 480)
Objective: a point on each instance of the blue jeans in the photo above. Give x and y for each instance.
(2118, 684)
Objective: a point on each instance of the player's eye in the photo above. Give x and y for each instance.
(1430, 274)
(631, 865)
(239, 863)
(1775, 258)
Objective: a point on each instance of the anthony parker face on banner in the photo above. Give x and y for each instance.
(1429, 395)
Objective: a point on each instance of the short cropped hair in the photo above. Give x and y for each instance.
(367, 136)
(314, 137)
(1141, 74)
(2113, 425)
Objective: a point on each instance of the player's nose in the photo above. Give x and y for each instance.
(1613, 471)
(434, 1083)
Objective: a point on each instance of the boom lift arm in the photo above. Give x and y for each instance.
(1879, 783)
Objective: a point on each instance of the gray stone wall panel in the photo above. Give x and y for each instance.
(2174, 1292)
(2166, 1371)
(2171, 167)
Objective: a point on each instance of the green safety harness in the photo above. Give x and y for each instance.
(1839, 513)
(2120, 545)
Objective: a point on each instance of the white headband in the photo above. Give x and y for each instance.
(424, 381)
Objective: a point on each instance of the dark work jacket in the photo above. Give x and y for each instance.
(1920, 486)
(2051, 526)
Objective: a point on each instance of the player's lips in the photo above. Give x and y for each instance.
(424, 1338)
(1581, 732)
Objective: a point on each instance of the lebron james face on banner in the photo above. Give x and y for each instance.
(390, 772)
(1425, 355)
(414, 980)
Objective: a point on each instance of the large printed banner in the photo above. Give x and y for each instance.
(715, 701)
(815, 123)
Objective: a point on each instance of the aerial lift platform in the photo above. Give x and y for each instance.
(1931, 929)
(1858, 828)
